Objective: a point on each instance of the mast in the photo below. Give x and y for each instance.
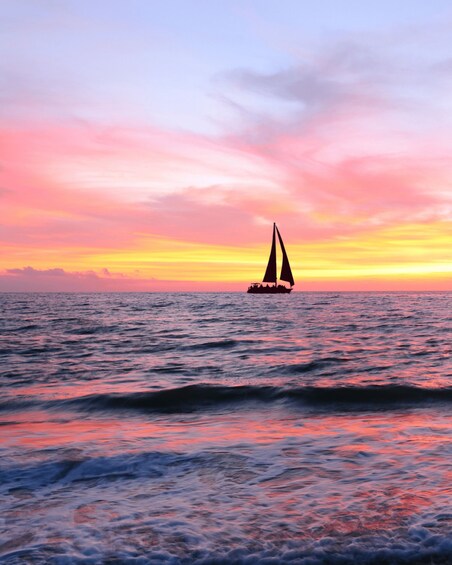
(270, 274)
(286, 271)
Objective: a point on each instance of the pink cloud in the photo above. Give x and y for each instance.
(314, 191)
(29, 279)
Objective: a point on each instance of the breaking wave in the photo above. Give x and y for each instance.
(198, 397)
(201, 396)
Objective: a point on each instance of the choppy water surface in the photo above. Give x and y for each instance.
(226, 428)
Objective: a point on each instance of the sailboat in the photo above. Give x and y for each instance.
(271, 272)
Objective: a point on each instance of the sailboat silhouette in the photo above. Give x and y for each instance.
(271, 272)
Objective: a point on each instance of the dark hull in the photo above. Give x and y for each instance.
(269, 290)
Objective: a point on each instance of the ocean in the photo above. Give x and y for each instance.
(312, 428)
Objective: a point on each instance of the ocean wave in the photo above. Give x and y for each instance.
(187, 398)
(199, 397)
(314, 365)
(222, 344)
(196, 397)
(103, 468)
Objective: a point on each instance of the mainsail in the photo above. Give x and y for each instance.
(270, 273)
(286, 271)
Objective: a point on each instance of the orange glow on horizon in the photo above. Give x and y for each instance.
(408, 258)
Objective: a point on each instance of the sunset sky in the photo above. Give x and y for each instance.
(150, 144)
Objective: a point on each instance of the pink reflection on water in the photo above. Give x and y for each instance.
(388, 432)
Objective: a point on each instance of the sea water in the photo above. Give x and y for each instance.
(226, 428)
